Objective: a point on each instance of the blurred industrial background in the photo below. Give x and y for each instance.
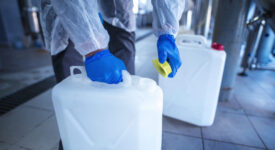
(246, 111)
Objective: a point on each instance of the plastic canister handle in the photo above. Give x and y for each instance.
(163, 69)
(193, 40)
(81, 75)
(126, 77)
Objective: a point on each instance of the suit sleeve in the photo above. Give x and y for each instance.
(81, 22)
(166, 16)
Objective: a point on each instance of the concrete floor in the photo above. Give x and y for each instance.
(247, 122)
(21, 68)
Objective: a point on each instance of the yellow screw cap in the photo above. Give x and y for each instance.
(163, 69)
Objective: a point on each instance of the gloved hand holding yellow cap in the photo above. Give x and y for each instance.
(168, 61)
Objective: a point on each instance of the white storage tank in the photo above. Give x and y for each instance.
(192, 95)
(99, 116)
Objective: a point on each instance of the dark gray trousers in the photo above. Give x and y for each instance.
(121, 44)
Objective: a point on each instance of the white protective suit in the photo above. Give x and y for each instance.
(78, 21)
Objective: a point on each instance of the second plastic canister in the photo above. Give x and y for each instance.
(192, 95)
(98, 116)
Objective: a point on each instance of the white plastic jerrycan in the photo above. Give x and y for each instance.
(99, 116)
(192, 95)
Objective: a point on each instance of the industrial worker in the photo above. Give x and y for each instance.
(73, 30)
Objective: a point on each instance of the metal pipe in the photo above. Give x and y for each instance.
(251, 48)
(257, 41)
(202, 12)
(265, 48)
(208, 19)
(256, 26)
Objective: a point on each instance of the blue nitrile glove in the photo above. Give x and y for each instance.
(104, 67)
(168, 51)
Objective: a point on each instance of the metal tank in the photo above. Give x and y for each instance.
(229, 30)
